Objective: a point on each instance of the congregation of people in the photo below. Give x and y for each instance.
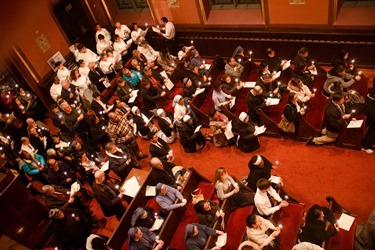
(98, 135)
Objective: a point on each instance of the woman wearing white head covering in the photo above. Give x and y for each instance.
(190, 139)
(165, 122)
(247, 139)
(145, 127)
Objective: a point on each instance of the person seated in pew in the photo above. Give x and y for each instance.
(239, 56)
(199, 80)
(151, 96)
(124, 90)
(166, 198)
(267, 81)
(97, 127)
(159, 148)
(303, 92)
(275, 64)
(335, 120)
(369, 139)
(233, 68)
(306, 246)
(108, 196)
(218, 124)
(262, 232)
(138, 61)
(144, 216)
(156, 82)
(315, 229)
(220, 98)
(166, 172)
(196, 236)
(293, 112)
(303, 64)
(184, 51)
(248, 137)
(149, 52)
(227, 188)
(191, 140)
(133, 77)
(141, 238)
(338, 74)
(144, 127)
(260, 167)
(255, 100)
(166, 61)
(189, 89)
(230, 86)
(342, 58)
(263, 203)
(167, 129)
(34, 165)
(196, 59)
(208, 212)
(365, 234)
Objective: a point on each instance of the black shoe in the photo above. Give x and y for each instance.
(142, 156)
(310, 141)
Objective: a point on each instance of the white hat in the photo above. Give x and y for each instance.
(176, 99)
(159, 112)
(134, 109)
(243, 116)
(258, 160)
(186, 118)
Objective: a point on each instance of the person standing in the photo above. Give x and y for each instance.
(169, 34)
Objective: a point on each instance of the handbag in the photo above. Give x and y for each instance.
(197, 196)
(286, 126)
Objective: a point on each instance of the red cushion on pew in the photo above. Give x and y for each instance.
(290, 219)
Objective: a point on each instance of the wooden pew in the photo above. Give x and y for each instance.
(352, 137)
(343, 239)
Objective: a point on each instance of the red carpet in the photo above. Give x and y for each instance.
(310, 173)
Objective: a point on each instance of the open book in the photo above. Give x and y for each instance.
(275, 179)
(355, 124)
(286, 64)
(260, 130)
(106, 83)
(105, 166)
(228, 131)
(232, 102)
(157, 224)
(74, 188)
(221, 240)
(197, 128)
(131, 187)
(135, 94)
(314, 72)
(199, 91)
(207, 66)
(273, 101)
(150, 191)
(276, 75)
(154, 29)
(249, 85)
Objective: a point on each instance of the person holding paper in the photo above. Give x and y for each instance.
(208, 212)
(148, 51)
(256, 228)
(266, 80)
(86, 54)
(196, 59)
(137, 33)
(293, 112)
(262, 201)
(166, 198)
(220, 98)
(199, 80)
(190, 139)
(97, 129)
(189, 89)
(151, 96)
(303, 65)
(122, 31)
(335, 120)
(315, 230)
(218, 125)
(230, 86)
(108, 196)
(159, 148)
(260, 167)
(196, 236)
(167, 129)
(233, 68)
(369, 139)
(163, 171)
(154, 80)
(120, 47)
(132, 77)
(302, 91)
(144, 216)
(184, 51)
(141, 238)
(166, 61)
(248, 136)
(338, 74)
(124, 90)
(255, 100)
(169, 34)
(96, 76)
(275, 64)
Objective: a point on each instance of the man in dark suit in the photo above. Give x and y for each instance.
(96, 76)
(335, 120)
(160, 149)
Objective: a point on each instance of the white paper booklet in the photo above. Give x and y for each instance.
(199, 91)
(135, 94)
(105, 166)
(207, 66)
(345, 221)
(74, 188)
(157, 224)
(232, 102)
(154, 29)
(355, 124)
(150, 191)
(106, 83)
(276, 75)
(260, 130)
(275, 179)
(228, 131)
(314, 72)
(169, 84)
(221, 240)
(131, 187)
(197, 128)
(273, 101)
(249, 85)
(286, 64)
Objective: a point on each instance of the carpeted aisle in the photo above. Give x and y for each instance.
(310, 173)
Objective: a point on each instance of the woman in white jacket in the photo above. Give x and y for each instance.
(303, 92)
